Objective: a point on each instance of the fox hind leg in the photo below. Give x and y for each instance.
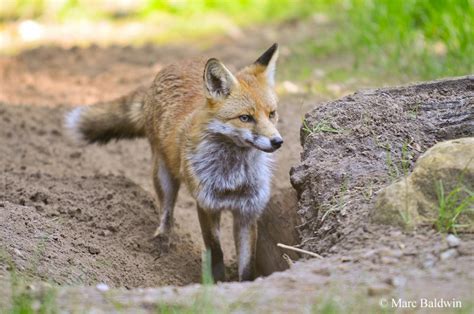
(166, 187)
(245, 238)
(210, 229)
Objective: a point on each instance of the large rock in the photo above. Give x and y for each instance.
(416, 198)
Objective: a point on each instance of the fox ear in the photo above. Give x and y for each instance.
(218, 80)
(266, 63)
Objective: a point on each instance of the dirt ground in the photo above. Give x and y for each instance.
(85, 215)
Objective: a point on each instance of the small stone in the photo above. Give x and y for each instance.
(395, 234)
(449, 254)
(429, 261)
(390, 252)
(322, 271)
(112, 228)
(397, 281)
(346, 259)
(39, 197)
(102, 287)
(105, 233)
(369, 254)
(453, 241)
(387, 260)
(75, 155)
(343, 267)
(17, 252)
(379, 289)
(93, 250)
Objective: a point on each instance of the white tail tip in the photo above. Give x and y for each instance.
(71, 123)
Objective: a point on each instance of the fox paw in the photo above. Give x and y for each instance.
(162, 241)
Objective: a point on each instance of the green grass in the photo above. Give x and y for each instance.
(320, 127)
(22, 299)
(202, 302)
(364, 40)
(451, 204)
(400, 167)
(354, 301)
(387, 41)
(338, 201)
(423, 37)
(240, 11)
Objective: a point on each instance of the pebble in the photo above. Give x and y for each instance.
(390, 252)
(395, 234)
(105, 233)
(346, 259)
(324, 271)
(369, 254)
(397, 281)
(429, 261)
(93, 250)
(17, 252)
(453, 241)
(379, 289)
(75, 155)
(387, 260)
(102, 287)
(343, 267)
(449, 254)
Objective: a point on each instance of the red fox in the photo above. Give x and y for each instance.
(210, 129)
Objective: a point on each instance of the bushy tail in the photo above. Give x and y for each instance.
(121, 118)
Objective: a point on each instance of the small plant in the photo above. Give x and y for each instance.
(452, 204)
(393, 171)
(407, 222)
(396, 169)
(207, 279)
(22, 300)
(368, 192)
(405, 159)
(413, 112)
(320, 127)
(339, 202)
(202, 302)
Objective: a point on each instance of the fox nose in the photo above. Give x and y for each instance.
(276, 142)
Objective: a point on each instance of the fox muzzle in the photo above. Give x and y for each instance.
(276, 142)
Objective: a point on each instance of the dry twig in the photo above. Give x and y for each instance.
(292, 248)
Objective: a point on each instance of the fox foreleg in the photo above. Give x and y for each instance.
(245, 237)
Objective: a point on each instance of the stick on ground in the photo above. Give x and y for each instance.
(288, 247)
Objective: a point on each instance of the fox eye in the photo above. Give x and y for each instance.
(272, 115)
(245, 118)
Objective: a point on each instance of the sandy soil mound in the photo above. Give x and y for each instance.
(72, 224)
(97, 235)
(356, 145)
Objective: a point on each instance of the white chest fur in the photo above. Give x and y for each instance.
(231, 177)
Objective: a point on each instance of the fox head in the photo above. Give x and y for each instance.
(244, 106)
